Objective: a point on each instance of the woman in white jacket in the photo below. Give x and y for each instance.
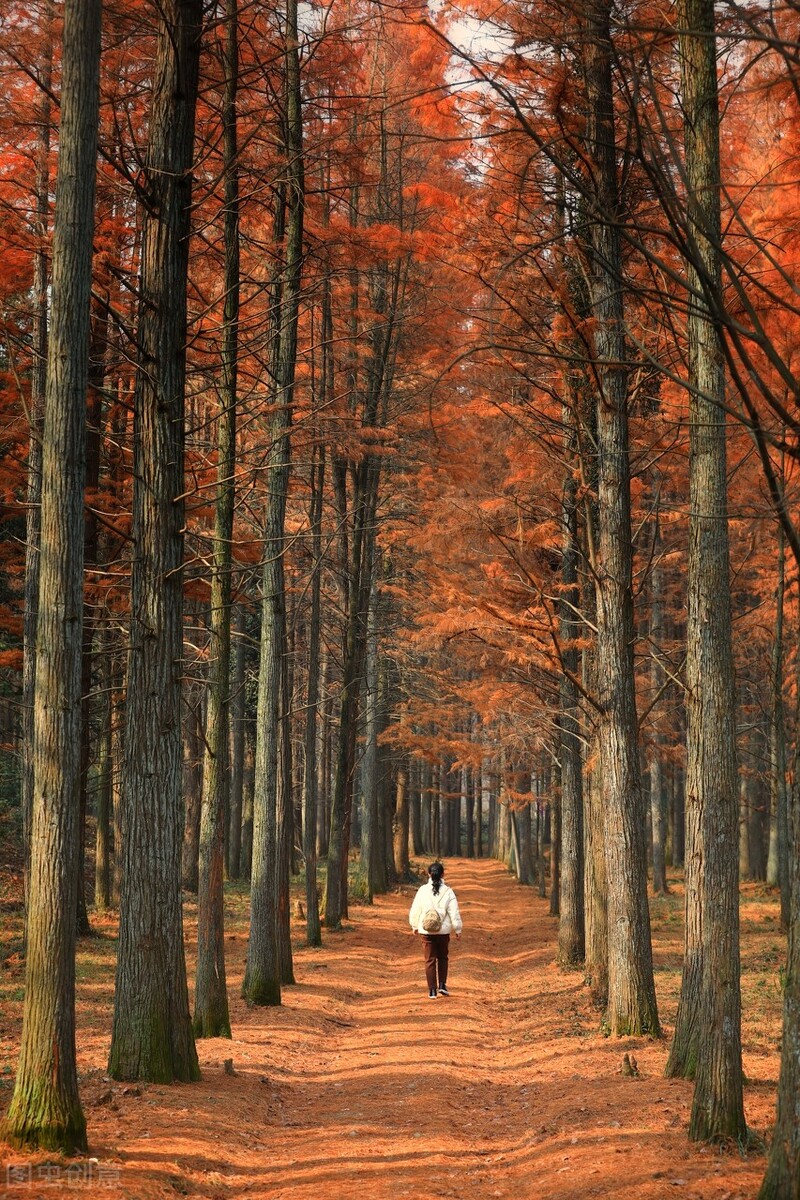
(434, 915)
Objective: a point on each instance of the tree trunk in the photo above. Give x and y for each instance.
(595, 890)
(211, 1016)
(118, 757)
(152, 1032)
(744, 839)
(360, 572)
(248, 791)
(711, 972)
(372, 851)
(94, 433)
(191, 787)
(478, 785)
(261, 983)
(782, 1177)
(237, 722)
(324, 760)
(102, 858)
(285, 834)
(679, 816)
(310, 779)
(45, 1109)
(778, 863)
(38, 385)
(555, 860)
(541, 810)
(571, 929)
(657, 797)
(402, 866)
(425, 807)
(631, 991)
(417, 844)
(262, 974)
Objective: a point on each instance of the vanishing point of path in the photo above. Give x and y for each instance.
(360, 1086)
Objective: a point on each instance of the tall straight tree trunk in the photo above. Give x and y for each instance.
(679, 816)
(571, 929)
(45, 1108)
(417, 845)
(102, 876)
(782, 1177)
(324, 758)
(631, 990)
(310, 775)
(365, 503)
(262, 974)
(435, 807)
(372, 851)
(211, 1017)
(778, 861)
(527, 863)
(402, 866)
(192, 784)
(38, 384)
(657, 805)
(710, 983)
(118, 757)
(237, 723)
(478, 785)
(555, 860)
(469, 805)
(425, 806)
(285, 831)
(248, 790)
(94, 432)
(595, 890)
(152, 1031)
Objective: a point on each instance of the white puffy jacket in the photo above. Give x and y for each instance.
(445, 904)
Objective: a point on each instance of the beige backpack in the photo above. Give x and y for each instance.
(432, 920)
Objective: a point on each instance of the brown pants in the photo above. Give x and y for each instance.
(435, 948)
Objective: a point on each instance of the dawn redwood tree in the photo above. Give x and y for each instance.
(708, 1044)
(657, 812)
(571, 929)
(45, 1109)
(782, 1177)
(311, 736)
(211, 1017)
(38, 385)
(152, 1031)
(631, 1005)
(262, 979)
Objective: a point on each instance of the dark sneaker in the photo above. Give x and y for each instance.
(432, 994)
(443, 991)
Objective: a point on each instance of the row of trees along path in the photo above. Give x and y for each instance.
(359, 1084)
(342, 464)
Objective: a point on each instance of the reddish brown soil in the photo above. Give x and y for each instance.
(360, 1085)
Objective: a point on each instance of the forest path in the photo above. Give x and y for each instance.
(361, 1085)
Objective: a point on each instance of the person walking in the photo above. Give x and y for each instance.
(434, 915)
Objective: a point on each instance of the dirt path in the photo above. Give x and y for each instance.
(361, 1085)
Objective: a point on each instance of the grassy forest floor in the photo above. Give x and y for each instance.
(360, 1084)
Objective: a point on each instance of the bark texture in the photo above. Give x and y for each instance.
(571, 929)
(782, 1177)
(712, 884)
(45, 1109)
(262, 980)
(211, 1017)
(38, 385)
(631, 992)
(152, 1033)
